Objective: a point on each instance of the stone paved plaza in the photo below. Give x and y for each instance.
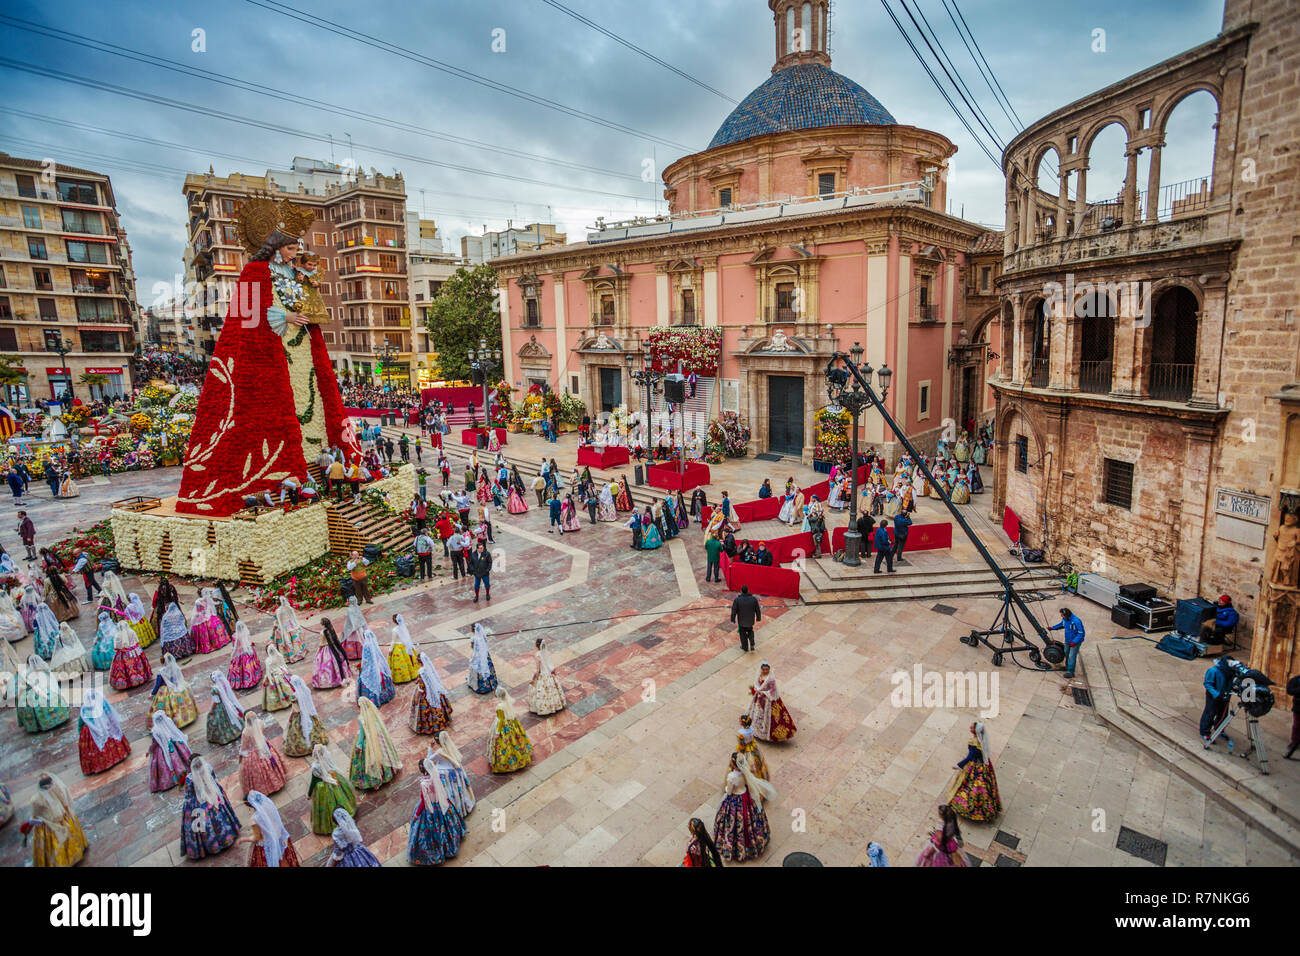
(656, 682)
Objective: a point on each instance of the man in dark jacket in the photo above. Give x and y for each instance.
(763, 556)
(866, 525)
(745, 611)
(1218, 689)
(729, 544)
(902, 524)
(480, 565)
(884, 549)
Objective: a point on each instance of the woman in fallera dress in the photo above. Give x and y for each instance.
(261, 767)
(174, 633)
(206, 628)
(447, 761)
(332, 668)
(973, 792)
(403, 660)
(59, 596)
(139, 621)
(650, 539)
(701, 851)
(376, 678)
(436, 825)
(55, 832)
(245, 669)
(101, 744)
(944, 847)
(70, 656)
(569, 515)
(348, 850)
(169, 754)
(287, 634)
(130, 669)
(354, 629)
(771, 719)
(509, 748)
(545, 695)
(104, 649)
(305, 729)
(225, 716)
(516, 504)
(430, 706)
(45, 632)
(277, 692)
(208, 821)
(12, 626)
(740, 828)
(482, 673)
(271, 843)
(27, 605)
(375, 760)
(745, 745)
(329, 789)
(623, 500)
(172, 694)
(605, 508)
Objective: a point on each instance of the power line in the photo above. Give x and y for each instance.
(287, 130)
(102, 46)
(939, 86)
(978, 49)
(964, 91)
(315, 20)
(955, 85)
(1015, 123)
(636, 49)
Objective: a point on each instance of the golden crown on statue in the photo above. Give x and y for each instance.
(260, 215)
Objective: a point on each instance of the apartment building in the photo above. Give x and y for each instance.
(67, 289)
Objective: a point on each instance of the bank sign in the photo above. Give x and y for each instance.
(1236, 504)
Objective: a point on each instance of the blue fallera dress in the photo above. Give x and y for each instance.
(435, 832)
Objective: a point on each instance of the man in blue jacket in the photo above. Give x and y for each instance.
(1218, 688)
(1225, 620)
(884, 549)
(902, 523)
(1073, 628)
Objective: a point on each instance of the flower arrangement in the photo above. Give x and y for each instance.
(551, 404)
(140, 421)
(504, 389)
(698, 348)
(97, 540)
(76, 416)
(832, 437)
(534, 406)
(152, 394)
(572, 408)
(33, 424)
(316, 585)
(730, 435)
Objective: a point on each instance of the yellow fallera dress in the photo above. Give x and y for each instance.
(405, 667)
(509, 749)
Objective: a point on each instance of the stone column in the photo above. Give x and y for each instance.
(1062, 201)
(1124, 373)
(1061, 345)
(1081, 197)
(1153, 184)
(1209, 345)
(1130, 188)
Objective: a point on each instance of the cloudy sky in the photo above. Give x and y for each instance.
(391, 75)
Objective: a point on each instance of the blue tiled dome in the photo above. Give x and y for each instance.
(806, 96)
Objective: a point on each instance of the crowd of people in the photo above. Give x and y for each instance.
(171, 367)
(366, 395)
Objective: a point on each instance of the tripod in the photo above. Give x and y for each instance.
(1007, 624)
(1252, 731)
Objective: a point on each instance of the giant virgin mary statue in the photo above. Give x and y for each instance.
(270, 402)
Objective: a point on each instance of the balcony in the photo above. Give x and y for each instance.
(1095, 376)
(1039, 373)
(352, 270)
(782, 314)
(684, 318)
(927, 313)
(369, 242)
(1171, 382)
(602, 318)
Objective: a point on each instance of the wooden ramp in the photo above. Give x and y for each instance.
(353, 527)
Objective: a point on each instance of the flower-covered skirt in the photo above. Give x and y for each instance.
(426, 719)
(207, 829)
(130, 669)
(245, 671)
(97, 760)
(511, 749)
(740, 829)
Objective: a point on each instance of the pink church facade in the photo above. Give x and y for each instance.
(813, 222)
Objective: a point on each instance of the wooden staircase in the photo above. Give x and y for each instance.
(354, 526)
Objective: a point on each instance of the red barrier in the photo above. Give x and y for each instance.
(771, 582)
(665, 476)
(611, 457)
(469, 436)
(920, 537)
(458, 395)
(761, 509)
(1011, 524)
(376, 412)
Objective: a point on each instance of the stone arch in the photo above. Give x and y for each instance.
(1107, 168)
(1086, 140)
(1171, 102)
(1188, 147)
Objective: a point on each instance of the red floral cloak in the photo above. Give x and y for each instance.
(246, 438)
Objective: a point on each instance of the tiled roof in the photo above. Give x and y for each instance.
(986, 242)
(806, 96)
(39, 164)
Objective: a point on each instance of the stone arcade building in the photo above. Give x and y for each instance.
(1148, 411)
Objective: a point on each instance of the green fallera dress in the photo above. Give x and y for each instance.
(295, 745)
(221, 729)
(357, 770)
(326, 797)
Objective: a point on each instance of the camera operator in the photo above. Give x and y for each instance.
(1225, 621)
(1218, 689)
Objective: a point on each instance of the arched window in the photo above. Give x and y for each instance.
(1173, 345)
(806, 25)
(1096, 316)
(1040, 345)
(1187, 158)
(789, 29)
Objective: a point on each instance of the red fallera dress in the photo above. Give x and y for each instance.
(246, 437)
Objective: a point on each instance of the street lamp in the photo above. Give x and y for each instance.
(484, 362)
(853, 400)
(1009, 624)
(63, 347)
(646, 378)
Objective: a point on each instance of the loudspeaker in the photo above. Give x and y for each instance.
(1141, 593)
(638, 475)
(675, 388)
(1190, 614)
(1121, 616)
(480, 440)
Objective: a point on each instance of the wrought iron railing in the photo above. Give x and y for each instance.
(1095, 376)
(1171, 382)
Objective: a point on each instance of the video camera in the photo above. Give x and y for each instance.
(1252, 687)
